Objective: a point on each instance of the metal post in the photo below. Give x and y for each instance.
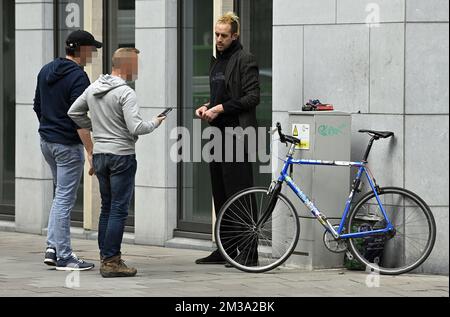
(93, 13)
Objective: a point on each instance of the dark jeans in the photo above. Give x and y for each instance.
(116, 175)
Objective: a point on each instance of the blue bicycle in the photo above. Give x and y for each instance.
(390, 230)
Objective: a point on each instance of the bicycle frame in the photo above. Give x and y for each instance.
(284, 177)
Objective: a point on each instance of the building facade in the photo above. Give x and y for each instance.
(385, 62)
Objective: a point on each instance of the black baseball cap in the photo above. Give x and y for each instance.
(82, 38)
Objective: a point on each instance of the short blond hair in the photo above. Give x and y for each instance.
(123, 53)
(232, 19)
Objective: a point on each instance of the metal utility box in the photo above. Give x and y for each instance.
(325, 136)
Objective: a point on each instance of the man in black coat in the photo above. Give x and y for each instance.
(235, 94)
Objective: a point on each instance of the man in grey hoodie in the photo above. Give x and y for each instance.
(116, 123)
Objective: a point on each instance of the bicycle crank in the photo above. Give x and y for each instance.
(333, 245)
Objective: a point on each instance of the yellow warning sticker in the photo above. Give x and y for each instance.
(302, 132)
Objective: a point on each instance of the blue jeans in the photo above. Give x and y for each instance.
(116, 175)
(67, 164)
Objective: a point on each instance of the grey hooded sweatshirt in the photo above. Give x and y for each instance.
(114, 119)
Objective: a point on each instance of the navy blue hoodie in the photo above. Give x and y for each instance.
(59, 84)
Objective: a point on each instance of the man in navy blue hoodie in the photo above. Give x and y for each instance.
(59, 84)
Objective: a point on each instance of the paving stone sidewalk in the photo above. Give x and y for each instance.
(165, 272)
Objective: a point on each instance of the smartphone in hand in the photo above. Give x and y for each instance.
(165, 113)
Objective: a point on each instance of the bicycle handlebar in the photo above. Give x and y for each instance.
(286, 138)
(280, 133)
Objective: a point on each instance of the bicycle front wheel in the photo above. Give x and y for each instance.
(251, 248)
(401, 250)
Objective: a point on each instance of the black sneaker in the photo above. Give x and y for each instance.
(50, 257)
(73, 264)
(213, 258)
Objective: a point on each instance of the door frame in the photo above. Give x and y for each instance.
(1, 94)
(7, 212)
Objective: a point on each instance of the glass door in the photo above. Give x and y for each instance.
(7, 109)
(119, 31)
(119, 27)
(196, 38)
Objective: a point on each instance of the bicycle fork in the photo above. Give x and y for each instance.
(275, 191)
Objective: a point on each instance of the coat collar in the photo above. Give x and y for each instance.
(231, 64)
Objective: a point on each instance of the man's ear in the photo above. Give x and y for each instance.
(235, 36)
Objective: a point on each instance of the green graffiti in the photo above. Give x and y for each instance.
(327, 130)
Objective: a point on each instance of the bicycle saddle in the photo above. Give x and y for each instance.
(379, 134)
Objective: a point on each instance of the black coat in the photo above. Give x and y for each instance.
(242, 84)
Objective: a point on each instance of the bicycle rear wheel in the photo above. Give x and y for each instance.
(256, 249)
(403, 249)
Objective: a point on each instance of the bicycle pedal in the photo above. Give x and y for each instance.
(349, 256)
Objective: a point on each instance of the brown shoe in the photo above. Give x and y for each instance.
(115, 267)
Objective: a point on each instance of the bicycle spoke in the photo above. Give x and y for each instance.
(270, 244)
(243, 212)
(413, 238)
(414, 231)
(239, 217)
(257, 249)
(237, 243)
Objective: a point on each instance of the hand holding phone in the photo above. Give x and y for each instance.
(165, 113)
